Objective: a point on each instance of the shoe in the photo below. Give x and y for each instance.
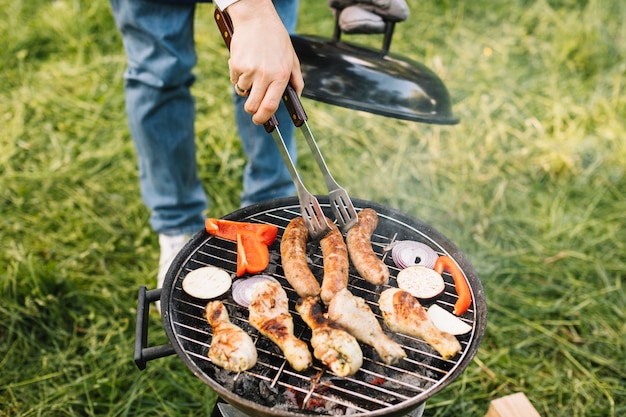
(170, 246)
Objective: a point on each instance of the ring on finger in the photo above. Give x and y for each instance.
(240, 90)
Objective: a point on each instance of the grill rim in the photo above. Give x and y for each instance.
(253, 408)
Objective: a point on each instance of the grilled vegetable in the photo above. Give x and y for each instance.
(228, 229)
(421, 282)
(244, 288)
(252, 240)
(409, 252)
(252, 253)
(460, 284)
(207, 282)
(447, 322)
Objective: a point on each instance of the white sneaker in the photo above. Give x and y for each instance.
(170, 246)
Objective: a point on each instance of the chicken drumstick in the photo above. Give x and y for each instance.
(269, 314)
(354, 315)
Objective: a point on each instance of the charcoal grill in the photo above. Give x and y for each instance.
(271, 387)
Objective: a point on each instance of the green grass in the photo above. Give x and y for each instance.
(531, 185)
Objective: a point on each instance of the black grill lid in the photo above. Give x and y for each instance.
(359, 78)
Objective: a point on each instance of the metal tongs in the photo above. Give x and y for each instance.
(311, 211)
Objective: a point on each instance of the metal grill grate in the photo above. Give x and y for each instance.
(272, 383)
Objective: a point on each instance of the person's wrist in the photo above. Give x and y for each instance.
(242, 10)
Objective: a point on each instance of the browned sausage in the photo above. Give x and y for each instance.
(336, 263)
(367, 264)
(293, 258)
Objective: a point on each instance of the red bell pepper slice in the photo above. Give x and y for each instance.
(460, 284)
(252, 254)
(228, 229)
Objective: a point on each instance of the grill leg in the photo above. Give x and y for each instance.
(223, 409)
(216, 410)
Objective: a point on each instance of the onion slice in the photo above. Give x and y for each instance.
(421, 282)
(207, 282)
(446, 321)
(244, 288)
(407, 253)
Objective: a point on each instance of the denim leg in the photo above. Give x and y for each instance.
(265, 175)
(158, 39)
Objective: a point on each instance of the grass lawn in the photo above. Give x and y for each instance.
(531, 185)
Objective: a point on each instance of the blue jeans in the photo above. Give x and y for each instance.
(158, 39)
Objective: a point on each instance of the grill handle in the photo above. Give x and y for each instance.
(143, 353)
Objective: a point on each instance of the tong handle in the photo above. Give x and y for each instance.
(271, 124)
(294, 106)
(225, 25)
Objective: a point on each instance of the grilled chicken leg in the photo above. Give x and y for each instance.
(269, 314)
(332, 345)
(354, 315)
(403, 313)
(231, 347)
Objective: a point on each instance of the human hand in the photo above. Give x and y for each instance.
(368, 16)
(262, 59)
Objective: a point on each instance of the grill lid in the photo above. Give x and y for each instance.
(272, 388)
(346, 75)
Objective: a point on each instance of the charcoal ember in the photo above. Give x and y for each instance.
(326, 406)
(248, 387)
(223, 377)
(268, 392)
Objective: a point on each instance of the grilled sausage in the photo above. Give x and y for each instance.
(293, 258)
(367, 264)
(336, 263)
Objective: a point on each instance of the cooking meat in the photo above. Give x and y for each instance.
(336, 263)
(404, 314)
(354, 315)
(293, 258)
(269, 314)
(363, 257)
(332, 345)
(231, 347)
